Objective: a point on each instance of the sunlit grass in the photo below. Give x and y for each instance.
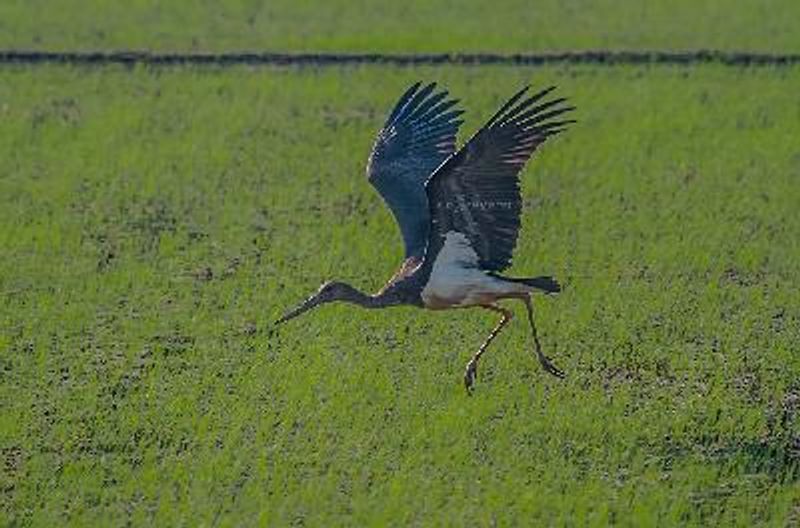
(155, 222)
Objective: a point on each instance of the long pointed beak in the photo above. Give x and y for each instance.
(305, 306)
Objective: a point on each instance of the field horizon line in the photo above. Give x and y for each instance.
(597, 57)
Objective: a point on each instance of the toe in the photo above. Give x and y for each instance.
(555, 371)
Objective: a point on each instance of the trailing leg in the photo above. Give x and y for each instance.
(544, 360)
(472, 367)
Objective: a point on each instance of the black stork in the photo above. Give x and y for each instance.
(458, 211)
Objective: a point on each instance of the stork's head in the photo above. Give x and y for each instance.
(328, 292)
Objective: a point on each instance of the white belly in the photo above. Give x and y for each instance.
(456, 280)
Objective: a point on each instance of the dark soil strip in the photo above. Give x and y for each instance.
(464, 59)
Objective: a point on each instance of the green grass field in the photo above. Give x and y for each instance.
(155, 222)
(410, 25)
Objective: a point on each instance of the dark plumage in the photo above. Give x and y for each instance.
(458, 212)
(476, 192)
(418, 136)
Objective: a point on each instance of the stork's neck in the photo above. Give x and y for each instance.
(380, 300)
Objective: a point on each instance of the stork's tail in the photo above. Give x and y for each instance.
(546, 284)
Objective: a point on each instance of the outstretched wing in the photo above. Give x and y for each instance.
(418, 136)
(475, 194)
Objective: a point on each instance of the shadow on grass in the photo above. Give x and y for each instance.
(778, 458)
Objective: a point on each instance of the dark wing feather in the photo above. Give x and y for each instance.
(418, 136)
(476, 192)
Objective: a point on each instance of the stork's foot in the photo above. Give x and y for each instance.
(470, 374)
(549, 367)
